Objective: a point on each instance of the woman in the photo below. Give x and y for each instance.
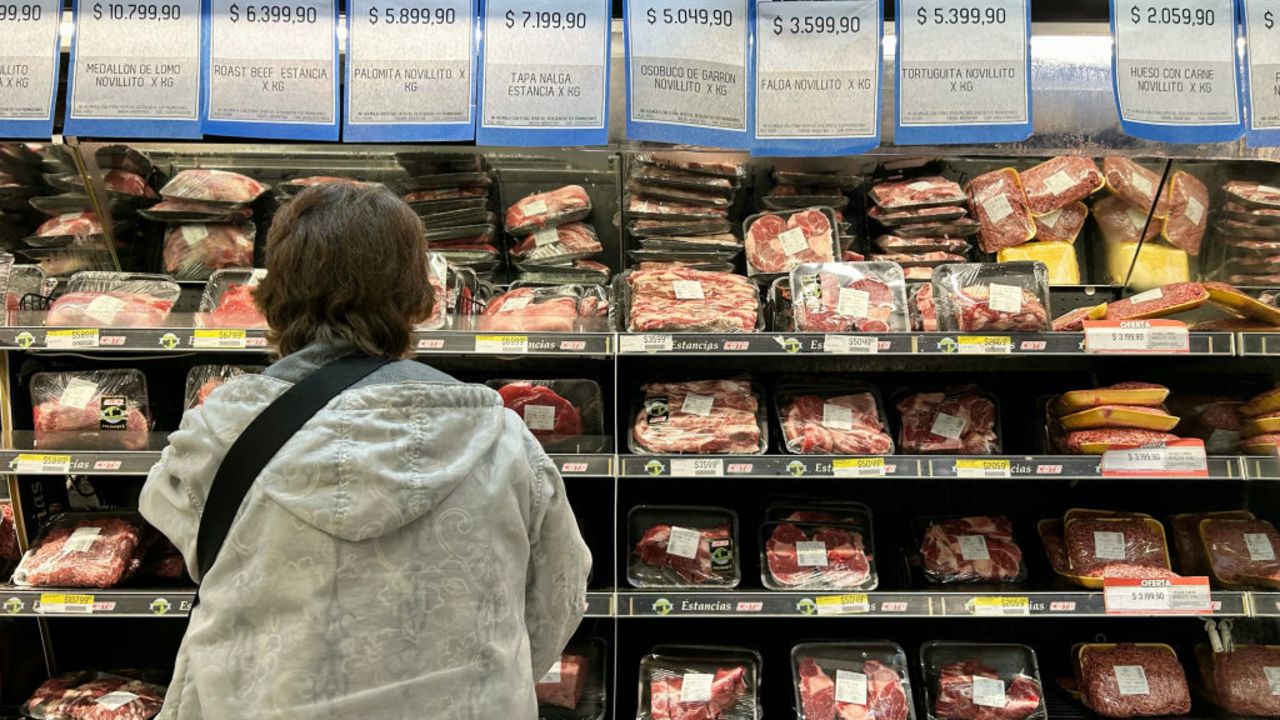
(409, 552)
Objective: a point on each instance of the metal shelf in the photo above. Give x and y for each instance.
(937, 343)
(1259, 343)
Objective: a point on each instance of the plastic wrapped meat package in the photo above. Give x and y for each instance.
(1116, 546)
(683, 547)
(699, 683)
(970, 550)
(652, 175)
(818, 547)
(981, 681)
(560, 244)
(202, 380)
(778, 242)
(564, 415)
(563, 308)
(924, 313)
(957, 421)
(185, 211)
(912, 216)
(90, 410)
(1122, 223)
(1241, 553)
(228, 301)
(1260, 423)
(1059, 182)
(1159, 302)
(1128, 680)
(216, 187)
(1134, 184)
(73, 228)
(575, 688)
(438, 275)
(677, 299)
(1004, 297)
(1062, 225)
(1188, 549)
(703, 165)
(194, 251)
(95, 696)
(111, 299)
(849, 297)
(725, 417)
(548, 209)
(1124, 415)
(832, 420)
(1188, 217)
(1241, 680)
(81, 550)
(998, 201)
(27, 280)
(1213, 419)
(852, 681)
(916, 193)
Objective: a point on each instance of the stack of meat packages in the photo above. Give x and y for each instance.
(699, 683)
(25, 196)
(1248, 228)
(1124, 415)
(452, 195)
(1260, 424)
(1175, 231)
(678, 213)
(554, 239)
(923, 223)
(98, 550)
(121, 695)
(209, 222)
(793, 190)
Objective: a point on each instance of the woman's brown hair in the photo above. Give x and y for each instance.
(345, 264)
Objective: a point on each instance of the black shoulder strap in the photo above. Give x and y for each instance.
(260, 442)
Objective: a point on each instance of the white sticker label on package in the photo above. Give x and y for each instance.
(1261, 19)
(1108, 545)
(194, 234)
(997, 208)
(837, 417)
(853, 303)
(30, 51)
(988, 692)
(1273, 678)
(104, 308)
(1195, 211)
(973, 547)
(536, 206)
(810, 553)
(947, 426)
(851, 687)
(1141, 184)
(82, 539)
(1259, 545)
(116, 700)
(548, 236)
(553, 675)
(515, 304)
(1137, 219)
(920, 186)
(683, 542)
(256, 277)
(688, 290)
(1147, 296)
(1051, 220)
(1059, 182)
(540, 417)
(1175, 62)
(793, 241)
(698, 404)
(696, 688)
(1132, 680)
(78, 393)
(1005, 298)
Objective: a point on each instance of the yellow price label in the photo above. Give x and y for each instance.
(32, 464)
(984, 344)
(502, 344)
(842, 604)
(858, 467)
(219, 339)
(65, 603)
(75, 338)
(1001, 605)
(973, 468)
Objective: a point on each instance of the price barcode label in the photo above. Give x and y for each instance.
(1001, 606)
(32, 464)
(1184, 458)
(977, 468)
(62, 603)
(646, 343)
(850, 344)
(69, 339)
(984, 345)
(223, 339)
(697, 467)
(1166, 596)
(858, 467)
(1139, 336)
(842, 604)
(502, 344)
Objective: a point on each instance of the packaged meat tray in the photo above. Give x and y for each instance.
(1055, 546)
(1059, 182)
(1262, 404)
(778, 242)
(81, 550)
(702, 166)
(681, 546)
(894, 218)
(1238, 303)
(687, 300)
(1241, 680)
(700, 683)
(969, 550)
(216, 187)
(956, 421)
(1188, 548)
(827, 548)
(719, 417)
(832, 420)
(641, 208)
(981, 681)
(1134, 184)
(564, 308)
(1121, 222)
(548, 209)
(194, 251)
(564, 415)
(444, 180)
(678, 228)
(1234, 232)
(1253, 195)
(1062, 225)
(865, 680)
(24, 281)
(716, 242)
(817, 178)
(90, 410)
(575, 687)
(227, 301)
(796, 197)
(685, 197)
(907, 261)
(1241, 553)
(1124, 393)
(1159, 302)
(1188, 217)
(1128, 680)
(444, 198)
(94, 696)
(1073, 320)
(184, 211)
(897, 244)
(973, 297)
(287, 189)
(850, 297)
(1000, 205)
(1116, 547)
(112, 299)
(558, 244)
(917, 193)
(681, 180)
(10, 554)
(924, 313)
(1256, 216)
(960, 228)
(78, 228)
(202, 380)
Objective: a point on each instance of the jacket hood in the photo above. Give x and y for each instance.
(376, 458)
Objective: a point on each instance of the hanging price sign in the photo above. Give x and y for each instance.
(1165, 596)
(30, 55)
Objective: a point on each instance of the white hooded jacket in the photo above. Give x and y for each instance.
(408, 554)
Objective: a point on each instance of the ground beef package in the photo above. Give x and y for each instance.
(1242, 680)
(1131, 680)
(82, 550)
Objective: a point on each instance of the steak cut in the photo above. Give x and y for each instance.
(85, 553)
(193, 252)
(1116, 547)
(213, 186)
(955, 697)
(235, 309)
(108, 309)
(562, 685)
(79, 225)
(1000, 205)
(975, 313)
(966, 421)
(727, 688)
(971, 549)
(688, 300)
(886, 699)
(1238, 680)
(847, 565)
(572, 240)
(840, 425)
(917, 193)
(653, 550)
(547, 209)
(1126, 680)
(776, 245)
(1242, 551)
(533, 402)
(528, 309)
(669, 422)
(1058, 182)
(127, 183)
(925, 317)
